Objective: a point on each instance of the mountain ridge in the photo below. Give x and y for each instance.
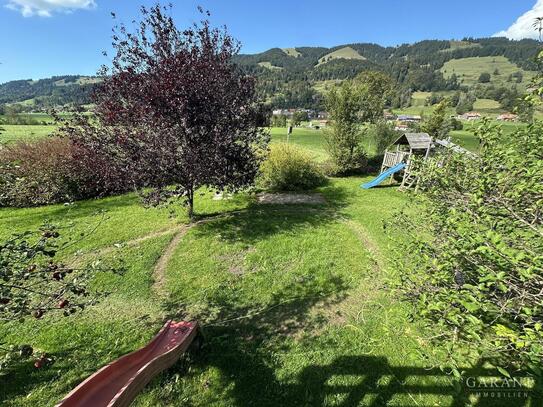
(289, 77)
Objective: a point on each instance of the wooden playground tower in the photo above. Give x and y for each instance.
(403, 150)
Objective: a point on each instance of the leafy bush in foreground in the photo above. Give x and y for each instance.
(33, 284)
(473, 264)
(288, 168)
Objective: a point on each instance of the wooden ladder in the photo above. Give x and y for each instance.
(408, 181)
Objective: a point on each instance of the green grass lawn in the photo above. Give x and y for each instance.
(293, 300)
(310, 139)
(12, 133)
(482, 105)
(314, 140)
(419, 98)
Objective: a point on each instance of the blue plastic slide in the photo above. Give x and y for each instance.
(383, 176)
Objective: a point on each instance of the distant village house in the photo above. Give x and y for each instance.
(470, 116)
(507, 117)
(404, 118)
(322, 123)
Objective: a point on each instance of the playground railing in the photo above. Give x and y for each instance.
(392, 159)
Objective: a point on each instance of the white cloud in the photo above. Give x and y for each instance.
(45, 8)
(523, 27)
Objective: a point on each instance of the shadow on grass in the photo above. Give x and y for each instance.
(258, 221)
(375, 382)
(387, 186)
(23, 377)
(245, 349)
(243, 341)
(349, 381)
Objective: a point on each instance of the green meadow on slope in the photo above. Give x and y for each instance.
(343, 53)
(500, 68)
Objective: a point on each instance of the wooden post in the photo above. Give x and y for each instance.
(383, 164)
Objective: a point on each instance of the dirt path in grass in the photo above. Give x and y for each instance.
(159, 272)
(104, 251)
(178, 232)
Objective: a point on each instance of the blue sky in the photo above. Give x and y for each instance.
(41, 38)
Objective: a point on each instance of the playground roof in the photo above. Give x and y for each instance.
(416, 141)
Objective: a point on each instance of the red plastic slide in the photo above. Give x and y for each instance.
(118, 383)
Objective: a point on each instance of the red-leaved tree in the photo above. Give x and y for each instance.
(174, 111)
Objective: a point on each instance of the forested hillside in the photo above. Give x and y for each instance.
(44, 93)
(294, 77)
(291, 79)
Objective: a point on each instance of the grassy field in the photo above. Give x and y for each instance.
(467, 139)
(342, 53)
(325, 86)
(292, 52)
(419, 109)
(419, 98)
(486, 104)
(269, 65)
(314, 140)
(468, 70)
(294, 301)
(461, 45)
(10, 133)
(486, 107)
(311, 140)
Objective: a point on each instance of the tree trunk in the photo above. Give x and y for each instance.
(190, 202)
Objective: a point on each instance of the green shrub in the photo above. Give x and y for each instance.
(474, 263)
(456, 124)
(289, 168)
